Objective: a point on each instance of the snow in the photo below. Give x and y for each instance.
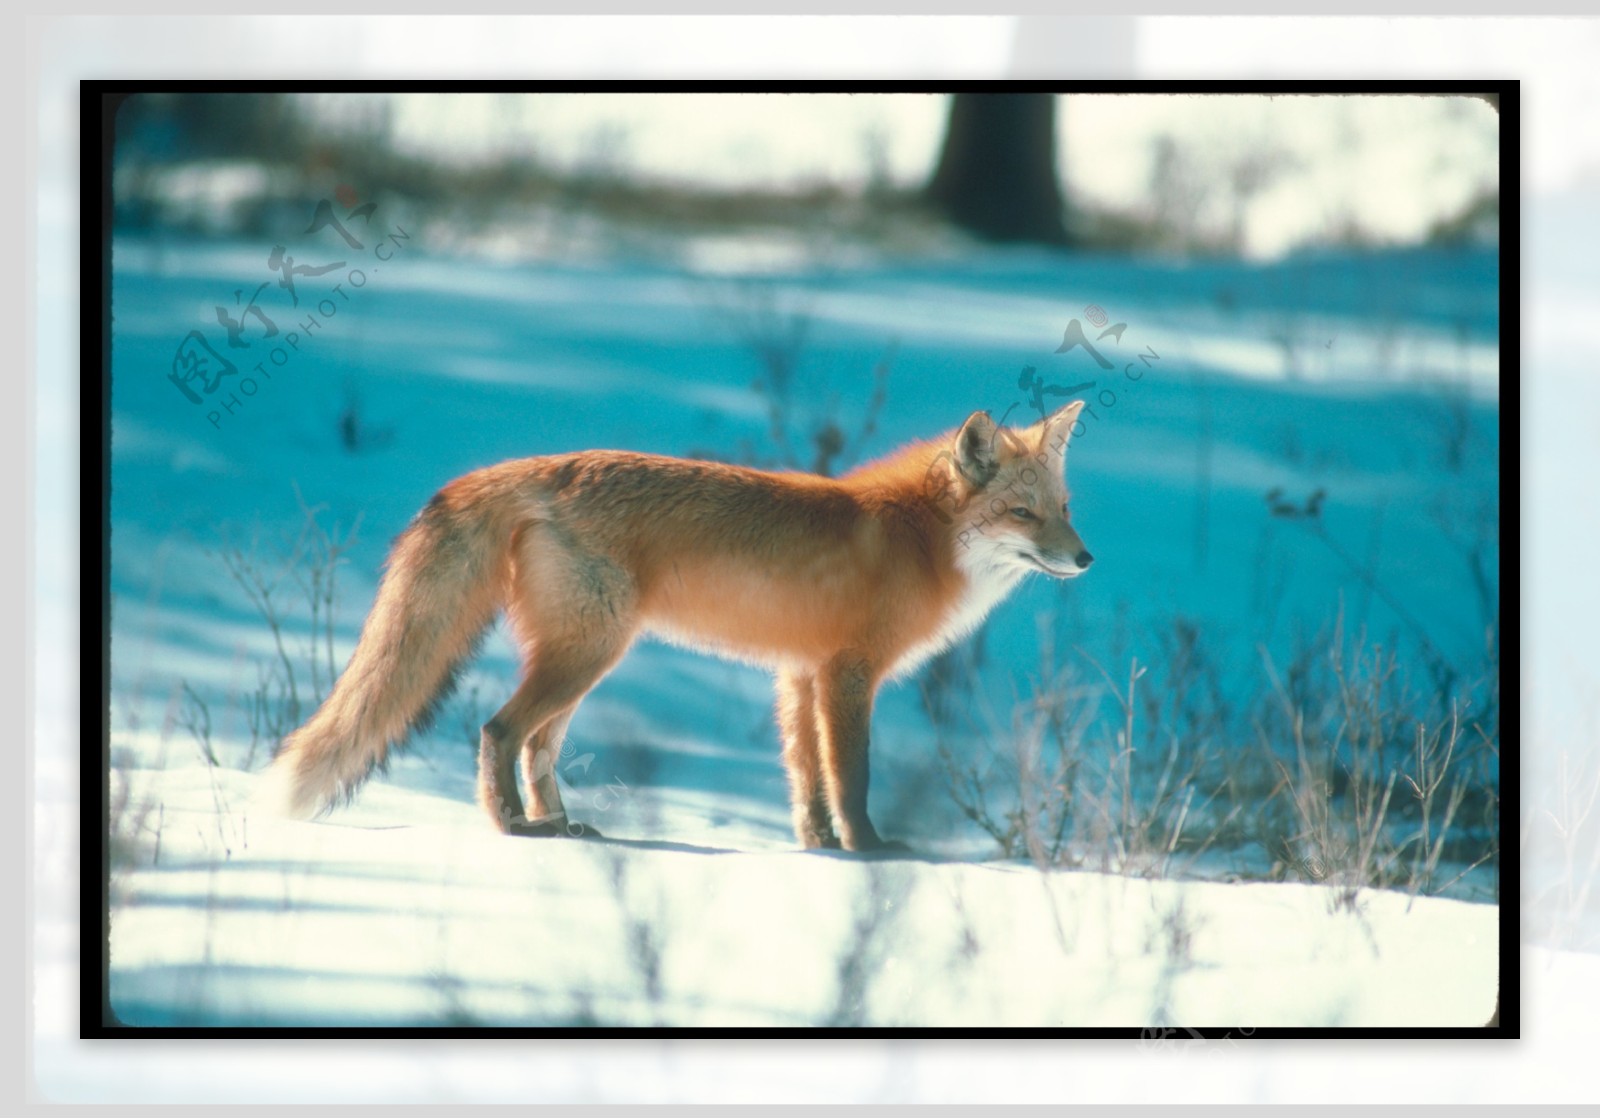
(696, 909)
(252, 921)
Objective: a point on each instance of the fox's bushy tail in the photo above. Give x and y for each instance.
(440, 593)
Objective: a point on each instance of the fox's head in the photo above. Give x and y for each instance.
(1009, 496)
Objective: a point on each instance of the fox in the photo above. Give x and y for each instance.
(834, 585)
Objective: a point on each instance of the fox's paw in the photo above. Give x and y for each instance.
(819, 840)
(883, 848)
(550, 827)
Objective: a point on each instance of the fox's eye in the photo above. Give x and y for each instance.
(1022, 513)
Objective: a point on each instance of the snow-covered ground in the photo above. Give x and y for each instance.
(437, 920)
(1365, 377)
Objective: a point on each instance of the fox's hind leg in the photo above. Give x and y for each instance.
(802, 757)
(555, 680)
(540, 754)
(574, 615)
(497, 777)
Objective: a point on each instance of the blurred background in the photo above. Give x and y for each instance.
(510, 175)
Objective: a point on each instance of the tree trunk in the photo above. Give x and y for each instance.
(997, 173)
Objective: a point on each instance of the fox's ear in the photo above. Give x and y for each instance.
(1058, 427)
(975, 449)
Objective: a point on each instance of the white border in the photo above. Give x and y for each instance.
(1550, 1067)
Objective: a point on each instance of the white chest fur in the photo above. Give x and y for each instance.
(989, 580)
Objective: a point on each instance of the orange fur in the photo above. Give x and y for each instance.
(834, 584)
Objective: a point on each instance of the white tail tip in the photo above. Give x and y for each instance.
(279, 793)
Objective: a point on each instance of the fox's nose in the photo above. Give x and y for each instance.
(1084, 559)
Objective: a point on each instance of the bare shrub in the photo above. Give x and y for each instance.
(1336, 771)
(293, 587)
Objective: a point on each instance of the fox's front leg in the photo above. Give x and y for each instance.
(802, 757)
(844, 691)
